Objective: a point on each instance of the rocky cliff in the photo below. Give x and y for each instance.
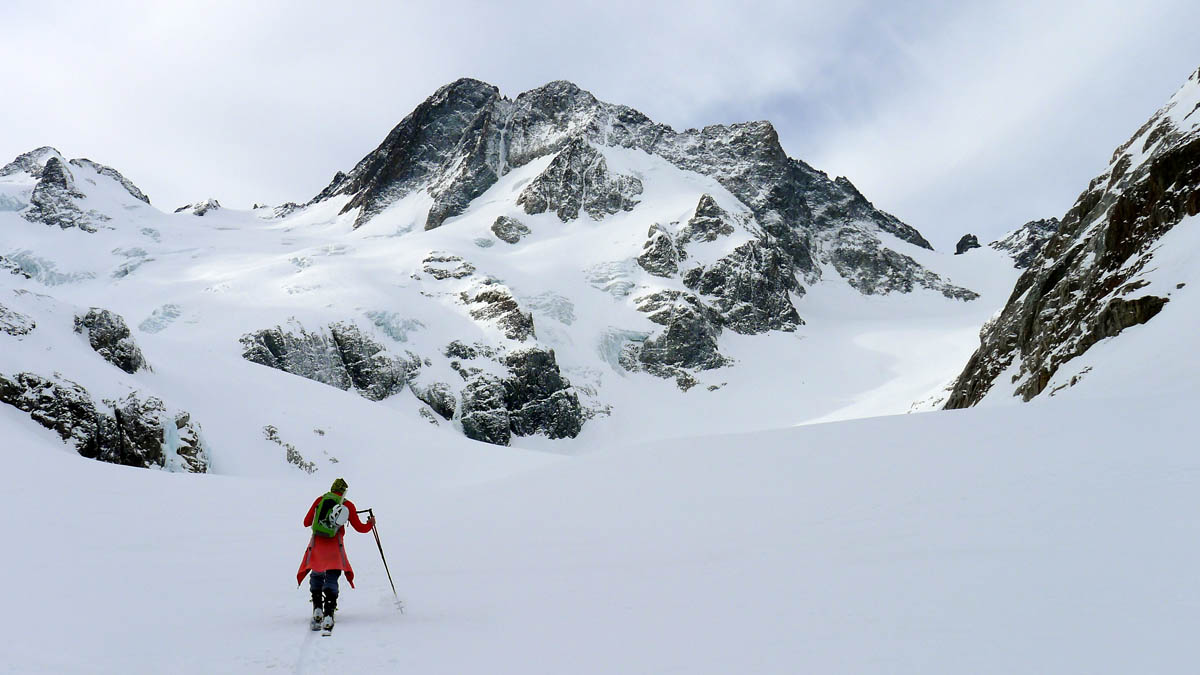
(466, 136)
(1092, 279)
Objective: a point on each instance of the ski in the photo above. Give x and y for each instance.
(327, 626)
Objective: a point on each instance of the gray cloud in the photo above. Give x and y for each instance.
(955, 116)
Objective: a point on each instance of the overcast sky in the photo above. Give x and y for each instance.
(956, 116)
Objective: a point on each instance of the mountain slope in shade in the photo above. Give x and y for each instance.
(1115, 262)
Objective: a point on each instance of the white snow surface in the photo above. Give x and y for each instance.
(789, 521)
(1053, 537)
(189, 286)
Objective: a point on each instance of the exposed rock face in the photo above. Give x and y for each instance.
(484, 415)
(1024, 243)
(874, 270)
(750, 289)
(15, 323)
(53, 200)
(446, 266)
(578, 179)
(538, 398)
(509, 230)
(1087, 283)
(31, 162)
(466, 136)
(492, 301)
(340, 356)
(710, 223)
(534, 398)
(660, 254)
(286, 209)
(968, 242)
(688, 341)
(57, 190)
(200, 208)
(447, 145)
(109, 337)
(131, 431)
(439, 397)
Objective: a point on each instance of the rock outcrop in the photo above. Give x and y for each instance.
(750, 289)
(509, 230)
(31, 162)
(54, 200)
(688, 341)
(340, 356)
(533, 398)
(131, 431)
(58, 191)
(438, 396)
(200, 208)
(1024, 243)
(578, 179)
(968, 242)
(446, 266)
(1089, 282)
(491, 301)
(660, 254)
(15, 323)
(709, 223)
(109, 337)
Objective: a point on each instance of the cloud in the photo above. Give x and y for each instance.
(954, 115)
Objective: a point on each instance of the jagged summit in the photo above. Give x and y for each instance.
(513, 267)
(466, 136)
(49, 190)
(31, 162)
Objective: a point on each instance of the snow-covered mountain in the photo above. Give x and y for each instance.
(504, 268)
(1125, 252)
(688, 322)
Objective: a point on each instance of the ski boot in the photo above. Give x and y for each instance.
(330, 607)
(318, 613)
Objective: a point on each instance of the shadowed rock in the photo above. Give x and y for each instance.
(968, 242)
(578, 179)
(131, 431)
(509, 230)
(109, 337)
(1088, 281)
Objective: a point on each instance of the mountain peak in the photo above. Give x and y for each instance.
(31, 162)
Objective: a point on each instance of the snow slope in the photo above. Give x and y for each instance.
(1031, 538)
(190, 286)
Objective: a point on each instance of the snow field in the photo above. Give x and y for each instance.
(1014, 539)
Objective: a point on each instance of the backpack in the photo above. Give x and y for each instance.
(331, 514)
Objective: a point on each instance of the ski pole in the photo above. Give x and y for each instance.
(382, 557)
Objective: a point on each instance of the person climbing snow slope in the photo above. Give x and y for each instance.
(325, 559)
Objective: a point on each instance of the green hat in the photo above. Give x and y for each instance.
(339, 486)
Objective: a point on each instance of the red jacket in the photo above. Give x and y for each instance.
(329, 553)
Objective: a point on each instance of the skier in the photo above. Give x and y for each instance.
(326, 557)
